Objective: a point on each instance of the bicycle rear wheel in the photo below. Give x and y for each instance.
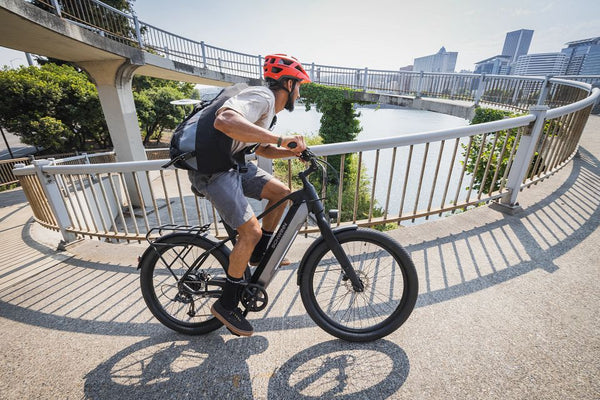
(177, 304)
(390, 286)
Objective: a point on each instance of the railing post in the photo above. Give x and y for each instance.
(525, 152)
(203, 47)
(138, 31)
(57, 7)
(545, 90)
(420, 84)
(366, 79)
(260, 67)
(312, 72)
(54, 197)
(480, 89)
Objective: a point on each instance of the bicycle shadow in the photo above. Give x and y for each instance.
(342, 370)
(177, 366)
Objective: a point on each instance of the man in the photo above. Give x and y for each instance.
(247, 119)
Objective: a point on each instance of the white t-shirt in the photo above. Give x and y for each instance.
(257, 105)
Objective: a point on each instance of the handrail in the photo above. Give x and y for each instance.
(564, 110)
(429, 173)
(420, 138)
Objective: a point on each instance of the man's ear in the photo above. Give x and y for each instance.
(288, 85)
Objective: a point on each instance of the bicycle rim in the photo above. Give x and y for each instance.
(389, 292)
(181, 309)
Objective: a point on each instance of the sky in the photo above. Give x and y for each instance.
(379, 34)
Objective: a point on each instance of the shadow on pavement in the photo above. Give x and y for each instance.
(103, 298)
(175, 366)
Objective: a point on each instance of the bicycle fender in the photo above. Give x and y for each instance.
(317, 242)
(153, 245)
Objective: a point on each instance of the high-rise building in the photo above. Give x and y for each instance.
(443, 61)
(517, 43)
(583, 57)
(541, 64)
(497, 65)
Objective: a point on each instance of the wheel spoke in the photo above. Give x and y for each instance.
(382, 270)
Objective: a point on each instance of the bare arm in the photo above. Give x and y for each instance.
(239, 128)
(270, 151)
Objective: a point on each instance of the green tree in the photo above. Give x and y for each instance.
(340, 123)
(53, 107)
(153, 104)
(499, 158)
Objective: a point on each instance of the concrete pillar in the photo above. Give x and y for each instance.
(113, 81)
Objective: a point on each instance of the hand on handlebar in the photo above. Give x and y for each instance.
(294, 143)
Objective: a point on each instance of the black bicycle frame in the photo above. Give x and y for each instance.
(304, 201)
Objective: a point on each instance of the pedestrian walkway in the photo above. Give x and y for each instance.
(508, 309)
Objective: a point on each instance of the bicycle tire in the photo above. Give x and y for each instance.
(389, 277)
(159, 287)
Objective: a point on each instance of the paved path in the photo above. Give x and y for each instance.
(508, 309)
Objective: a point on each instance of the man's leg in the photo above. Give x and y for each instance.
(249, 235)
(226, 308)
(226, 193)
(273, 191)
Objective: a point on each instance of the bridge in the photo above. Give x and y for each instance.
(507, 309)
(112, 46)
(508, 300)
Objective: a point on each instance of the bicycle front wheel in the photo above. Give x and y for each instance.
(390, 286)
(183, 305)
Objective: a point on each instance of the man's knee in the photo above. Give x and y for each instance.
(275, 190)
(250, 232)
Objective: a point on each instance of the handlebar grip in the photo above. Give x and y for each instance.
(292, 145)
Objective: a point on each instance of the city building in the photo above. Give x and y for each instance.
(583, 57)
(541, 64)
(517, 44)
(497, 65)
(443, 61)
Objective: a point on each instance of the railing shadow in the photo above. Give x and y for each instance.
(81, 295)
(513, 245)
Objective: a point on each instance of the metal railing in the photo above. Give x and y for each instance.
(409, 177)
(7, 176)
(517, 93)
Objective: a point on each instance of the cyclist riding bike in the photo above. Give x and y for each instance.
(247, 119)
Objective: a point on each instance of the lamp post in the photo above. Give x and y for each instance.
(6, 142)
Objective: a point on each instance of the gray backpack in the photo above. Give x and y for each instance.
(195, 137)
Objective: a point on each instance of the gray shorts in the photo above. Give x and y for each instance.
(227, 191)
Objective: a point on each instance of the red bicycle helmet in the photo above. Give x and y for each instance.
(279, 66)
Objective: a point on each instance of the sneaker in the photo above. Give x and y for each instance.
(285, 261)
(234, 320)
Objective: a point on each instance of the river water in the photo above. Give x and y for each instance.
(388, 122)
(376, 123)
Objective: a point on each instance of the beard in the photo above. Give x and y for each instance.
(290, 106)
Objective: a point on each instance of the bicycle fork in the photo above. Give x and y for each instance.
(338, 251)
